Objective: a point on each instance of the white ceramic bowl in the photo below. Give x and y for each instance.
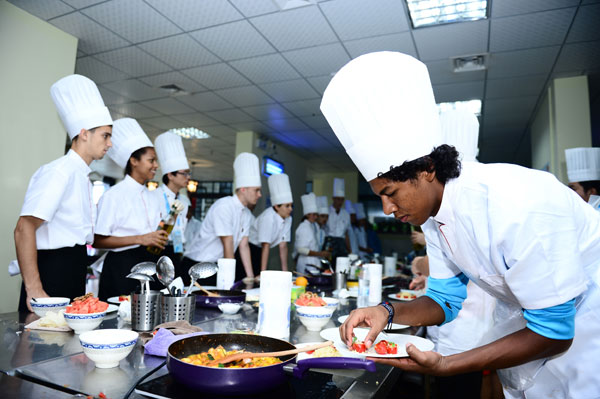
(333, 302)
(82, 322)
(54, 304)
(314, 318)
(229, 308)
(106, 348)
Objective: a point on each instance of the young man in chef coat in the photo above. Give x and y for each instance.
(583, 171)
(338, 222)
(538, 255)
(352, 237)
(322, 219)
(58, 215)
(176, 175)
(360, 231)
(227, 223)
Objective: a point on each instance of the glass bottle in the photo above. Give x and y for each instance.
(166, 224)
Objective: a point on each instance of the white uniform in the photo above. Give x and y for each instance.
(128, 209)
(306, 238)
(594, 201)
(192, 228)
(166, 197)
(353, 240)
(338, 223)
(226, 217)
(321, 234)
(271, 228)
(530, 251)
(60, 193)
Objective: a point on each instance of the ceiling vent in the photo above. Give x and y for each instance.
(469, 63)
(174, 90)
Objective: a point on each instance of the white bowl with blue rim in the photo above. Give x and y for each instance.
(82, 322)
(314, 318)
(51, 304)
(333, 302)
(107, 347)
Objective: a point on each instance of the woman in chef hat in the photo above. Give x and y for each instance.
(323, 210)
(128, 214)
(583, 170)
(273, 226)
(306, 243)
(539, 256)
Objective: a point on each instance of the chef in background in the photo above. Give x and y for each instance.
(322, 218)
(307, 252)
(176, 175)
(192, 226)
(128, 213)
(58, 215)
(583, 171)
(273, 227)
(360, 230)
(338, 222)
(352, 237)
(227, 224)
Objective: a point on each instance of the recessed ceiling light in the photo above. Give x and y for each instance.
(469, 63)
(437, 12)
(471, 105)
(190, 133)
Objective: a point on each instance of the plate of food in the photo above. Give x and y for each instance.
(395, 326)
(118, 299)
(386, 345)
(328, 351)
(406, 295)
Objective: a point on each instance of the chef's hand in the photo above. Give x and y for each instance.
(35, 293)
(417, 238)
(420, 266)
(375, 317)
(419, 362)
(157, 238)
(324, 254)
(418, 283)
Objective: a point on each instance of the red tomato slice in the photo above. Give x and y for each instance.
(381, 348)
(359, 347)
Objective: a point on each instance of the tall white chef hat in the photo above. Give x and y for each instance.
(246, 171)
(360, 211)
(583, 164)
(171, 154)
(460, 128)
(322, 205)
(339, 187)
(381, 108)
(309, 203)
(279, 189)
(79, 104)
(127, 137)
(350, 207)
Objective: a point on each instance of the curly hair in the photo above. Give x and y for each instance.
(443, 160)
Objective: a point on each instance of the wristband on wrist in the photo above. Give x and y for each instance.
(390, 310)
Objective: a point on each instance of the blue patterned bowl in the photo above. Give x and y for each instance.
(106, 348)
(82, 322)
(54, 304)
(314, 318)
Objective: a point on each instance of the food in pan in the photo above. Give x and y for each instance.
(202, 359)
(310, 299)
(86, 304)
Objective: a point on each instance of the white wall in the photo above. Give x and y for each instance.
(35, 54)
(540, 136)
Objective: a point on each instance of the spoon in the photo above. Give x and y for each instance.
(327, 263)
(147, 268)
(249, 355)
(199, 271)
(143, 278)
(165, 270)
(207, 292)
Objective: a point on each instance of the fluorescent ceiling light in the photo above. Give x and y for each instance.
(190, 133)
(436, 12)
(473, 105)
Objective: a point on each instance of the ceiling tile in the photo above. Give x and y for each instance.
(134, 110)
(110, 97)
(193, 14)
(81, 3)
(401, 42)
(252, 8)
(518, 7)
(290, 90)
(253, 126)
(168, 106)
(80, 53)
(207, 101)
(220, 130)
(308, 139)
(134, 89)
(531, 30)
(267, 68)
(234, 41)
(440, 72)
(439, 42)
(304, 107)
(163, 122)
(319, 83)
(506, 109)
(216, 76)
(515, 87)
(133, 61)
(286, 125)
(228, 116)
(585, 26)
(458, 91)
(43, 9)
(522, 62)
(316, 122)
(196, 119)
(354, 19)
(179, 51)
(134, 20)
(245, 96)
(297, 28)
(579, 57)
(176, 78)
(316, 61)
(97, 71)
(267, 112)
(93, 38)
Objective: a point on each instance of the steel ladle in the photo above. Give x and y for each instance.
(143, 279)
(199, 271)
(165, 271)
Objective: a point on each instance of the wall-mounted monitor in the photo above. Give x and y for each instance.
(272, 167)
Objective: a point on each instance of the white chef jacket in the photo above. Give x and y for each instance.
(530, 242)
(271, 228)
(353, 238)
(226, 217)
(192, 228)
(128, 209)
(594, 201)
(338, 223)
(166, 196)
(361, 235)
(321, 234)
(306, 238)
(60, 193)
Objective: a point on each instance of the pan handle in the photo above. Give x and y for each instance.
(333, 363)
(236, 285)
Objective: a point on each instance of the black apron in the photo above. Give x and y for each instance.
(337, 247)
(117, 265)
(255, 256)
(62, 272)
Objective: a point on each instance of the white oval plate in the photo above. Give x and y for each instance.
(401, 340)
(304, 355)
(112, 308)
(114, 299)
(395, 326)
(395, 298)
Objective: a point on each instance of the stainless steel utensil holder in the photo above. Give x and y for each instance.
(173, 308)
(144, 310)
